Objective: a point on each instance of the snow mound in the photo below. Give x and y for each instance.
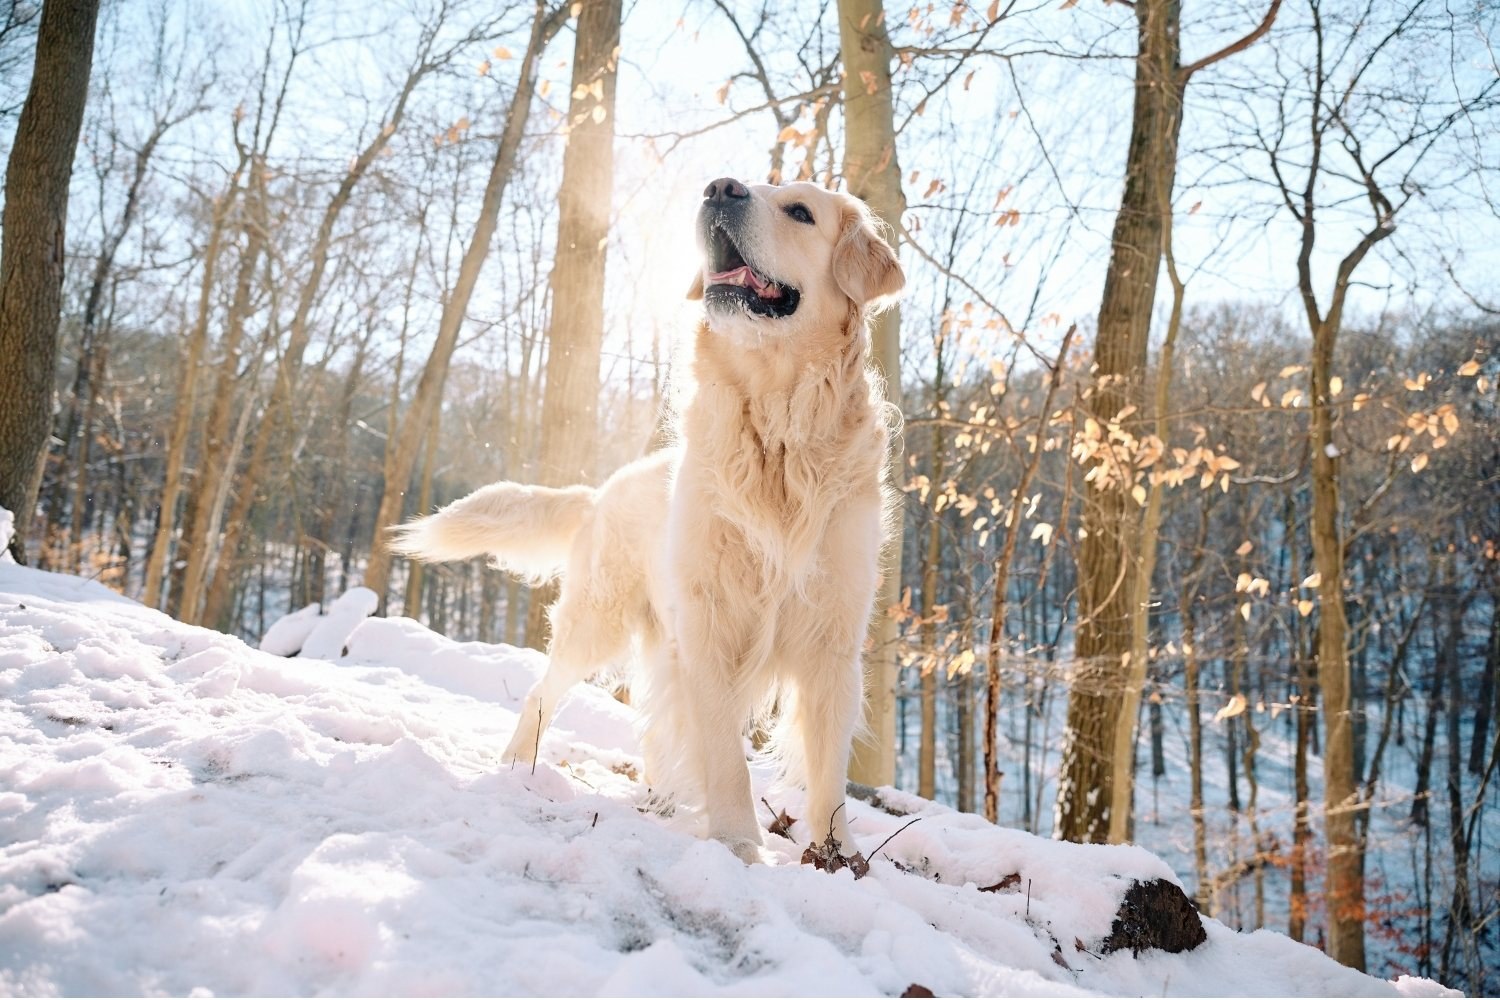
(180, 812)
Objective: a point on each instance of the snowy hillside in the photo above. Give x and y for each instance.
(179, 812)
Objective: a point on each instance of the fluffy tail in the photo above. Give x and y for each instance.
(525, 529)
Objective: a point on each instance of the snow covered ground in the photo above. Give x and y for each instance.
(182, 813)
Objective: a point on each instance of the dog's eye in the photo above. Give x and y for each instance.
(799, 211)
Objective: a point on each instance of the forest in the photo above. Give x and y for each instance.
(1200, 462)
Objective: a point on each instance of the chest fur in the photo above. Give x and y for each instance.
(780, 464)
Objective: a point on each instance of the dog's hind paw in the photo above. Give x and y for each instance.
(521, 750)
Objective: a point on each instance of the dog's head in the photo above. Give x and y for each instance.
(780, 261)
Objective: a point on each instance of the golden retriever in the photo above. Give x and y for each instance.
(743, 562)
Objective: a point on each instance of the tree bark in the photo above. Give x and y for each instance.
(32, 249)
(1303, 709)
(872, 172)
(1106, 574)
(576, 329)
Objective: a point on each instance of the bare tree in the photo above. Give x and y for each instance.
(1344, 121)
(31, 250)
(1112, 537)
(435, 50)
(402, 447)
(192, 357)
(873, 172)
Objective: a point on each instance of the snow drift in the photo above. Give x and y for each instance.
(182, 813)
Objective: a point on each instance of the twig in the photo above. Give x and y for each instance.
(894, 836)
(536, 748)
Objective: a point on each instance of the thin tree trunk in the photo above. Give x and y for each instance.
(928, 667)
(872, 172)
(576, 328)
(401, 447)
(1483, 711)
(289, 361)
(1188, 610)
(998, 610)
(1345, 881)
(1460, 923)
(217, 467)
(32, 249)
(412, 599)
(1123, 782)
(180, 434)
(965, 756)
(94, 341)
(931, 556)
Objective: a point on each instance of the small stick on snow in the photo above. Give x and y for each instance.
(894, 836)
(536, 748)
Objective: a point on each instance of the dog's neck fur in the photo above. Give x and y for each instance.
(789, 431)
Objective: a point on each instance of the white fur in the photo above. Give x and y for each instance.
(743, 563)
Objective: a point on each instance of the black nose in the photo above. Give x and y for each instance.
(723, 189)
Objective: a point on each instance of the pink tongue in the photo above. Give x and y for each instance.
(744, 277)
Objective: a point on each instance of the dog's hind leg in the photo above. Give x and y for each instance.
(586, 636)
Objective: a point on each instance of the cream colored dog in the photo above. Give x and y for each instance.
(745, 561)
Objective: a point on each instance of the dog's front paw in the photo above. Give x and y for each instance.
(749, 851)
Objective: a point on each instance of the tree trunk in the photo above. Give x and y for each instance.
(964, 683)
(873, 173)
(1345, 883)
(576, 328)
(998, 610)
(1106, 572)
(217, 469)
(928, 667)
(94, 346)
(402, 447)
(1485, 708)
(1187, 610)
(187, 394)
(289, 361)
(931, 557)
(1460, 922)
(32, 249)
(412, 599)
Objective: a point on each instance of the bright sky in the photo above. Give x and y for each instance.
(1050, 129)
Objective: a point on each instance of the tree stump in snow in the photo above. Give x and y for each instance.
(1155, 914)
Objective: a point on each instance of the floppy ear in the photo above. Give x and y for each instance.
(695, 290)
(864, 265)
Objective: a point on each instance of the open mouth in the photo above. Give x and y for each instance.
(732, 282)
